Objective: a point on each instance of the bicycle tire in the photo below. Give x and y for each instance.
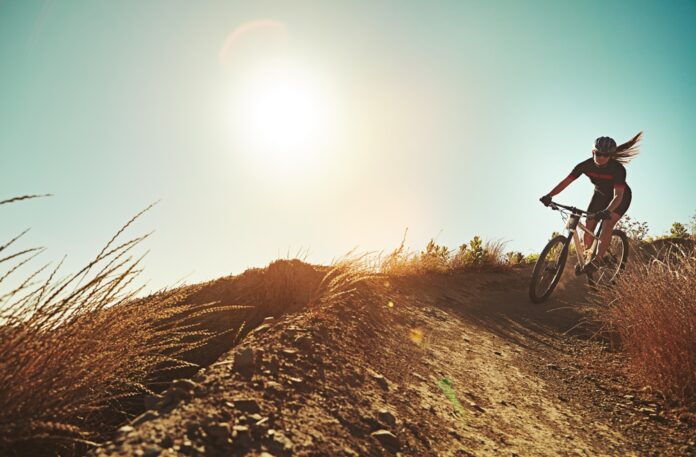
(592, 277)
(540, 267)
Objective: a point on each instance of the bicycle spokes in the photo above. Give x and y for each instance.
(552, 264)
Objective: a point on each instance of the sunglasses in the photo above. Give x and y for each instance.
(601, 154)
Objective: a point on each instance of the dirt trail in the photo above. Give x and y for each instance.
(441, 365)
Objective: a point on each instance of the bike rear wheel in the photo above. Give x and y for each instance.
(614, 262)
(548, 269)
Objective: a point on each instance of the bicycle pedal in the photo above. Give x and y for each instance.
(578, 269)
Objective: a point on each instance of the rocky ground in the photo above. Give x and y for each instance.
(451, 365)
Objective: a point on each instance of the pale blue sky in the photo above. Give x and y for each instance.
(449, 118)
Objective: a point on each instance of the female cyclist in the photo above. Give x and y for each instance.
(612, 196)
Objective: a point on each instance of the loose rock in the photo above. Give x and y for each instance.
(243, 359)
(387, 439)
(247, 405)
(220, 432)
(386, 417)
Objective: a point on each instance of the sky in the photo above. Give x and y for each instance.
(271, 128)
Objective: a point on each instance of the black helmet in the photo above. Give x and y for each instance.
(605, 145)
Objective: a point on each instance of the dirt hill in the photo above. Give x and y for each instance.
(453, 365)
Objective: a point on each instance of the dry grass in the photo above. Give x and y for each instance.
(652, 309)
(439, 259)
(73, 349)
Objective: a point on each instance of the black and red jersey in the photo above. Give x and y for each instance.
(605, 178)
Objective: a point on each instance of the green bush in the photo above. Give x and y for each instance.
(678, 230)
(634, 229)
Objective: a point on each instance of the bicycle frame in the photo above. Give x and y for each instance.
(574, 225)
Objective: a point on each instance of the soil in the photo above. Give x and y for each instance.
(455, 364)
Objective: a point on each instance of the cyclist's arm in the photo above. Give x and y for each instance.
(562, 185)
(618, 196)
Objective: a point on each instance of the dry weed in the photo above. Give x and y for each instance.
(652, 309)
(439, 259)
(73, 349)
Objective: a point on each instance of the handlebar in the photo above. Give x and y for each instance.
(576, 211)
(573, 210)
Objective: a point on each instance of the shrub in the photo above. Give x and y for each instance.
(437, 258)
(514, 257)
(73, 351)
(678, 230)
(531, 258)
(652, 309)
(634, 229)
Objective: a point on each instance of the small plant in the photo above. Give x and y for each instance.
(472, 253)
(678, 230)
(437, 258)
(531, 258)
(634, 229)
(514, 257)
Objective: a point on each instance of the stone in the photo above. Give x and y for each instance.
(263, 422)
(151, 450)
(303, 342)
(218, 431)
(282, 442)
(243, 359)
(247, 405)
(126, 429)
(186, 446)
(387, 439)
(241, 436)
(477, 407)
(386, 417)
(166, 441)
(381, 380)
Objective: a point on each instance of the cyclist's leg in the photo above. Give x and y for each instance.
(598, 203)
(605, 236)
(608, 225)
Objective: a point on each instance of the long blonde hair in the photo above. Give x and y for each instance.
(627, 151)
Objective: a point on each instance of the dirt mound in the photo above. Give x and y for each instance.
(237, 304)
(455, 364)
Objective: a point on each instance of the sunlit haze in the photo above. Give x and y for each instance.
(272, 128)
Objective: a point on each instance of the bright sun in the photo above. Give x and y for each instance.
(281, 116)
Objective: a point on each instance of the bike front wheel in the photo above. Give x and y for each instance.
(548, 269)
(613, 263)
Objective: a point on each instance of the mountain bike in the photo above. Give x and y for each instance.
(552, 260)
